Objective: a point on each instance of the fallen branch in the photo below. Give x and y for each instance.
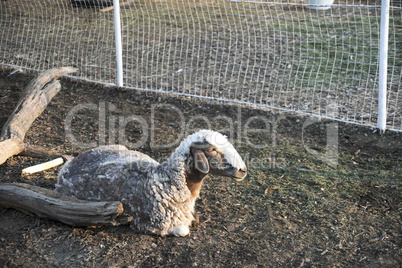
(35, 151)
(10, 147)
(46, 203)
(32, 103)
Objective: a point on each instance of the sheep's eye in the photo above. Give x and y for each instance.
(214, 163)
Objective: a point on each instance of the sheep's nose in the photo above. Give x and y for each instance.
(243, 172)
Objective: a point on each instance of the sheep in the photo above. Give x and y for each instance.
(159, 197)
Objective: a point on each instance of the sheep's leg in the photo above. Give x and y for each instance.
(196, 222)
(179, 231)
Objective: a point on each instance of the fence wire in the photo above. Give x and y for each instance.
(277, 54)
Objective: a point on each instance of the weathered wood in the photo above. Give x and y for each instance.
(39, 152)
(46, 203)
(32, 103)
(9, 148)
(28, 109)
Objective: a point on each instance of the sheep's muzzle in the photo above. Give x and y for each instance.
(237, 174)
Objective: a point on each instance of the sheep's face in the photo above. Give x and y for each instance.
(209, 159)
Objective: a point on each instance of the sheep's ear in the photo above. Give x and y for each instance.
(200, 160)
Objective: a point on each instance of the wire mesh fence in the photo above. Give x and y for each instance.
(43, 34)
(277, 54)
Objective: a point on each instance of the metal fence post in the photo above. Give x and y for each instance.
(382, 76)
(117, 30)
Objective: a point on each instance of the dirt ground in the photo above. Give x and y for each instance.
(292, 210)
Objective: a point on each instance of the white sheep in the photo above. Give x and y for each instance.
(160, 197)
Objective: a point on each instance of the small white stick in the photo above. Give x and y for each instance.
(41, 167)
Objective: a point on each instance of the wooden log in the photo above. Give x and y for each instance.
(46, 203)
(28, 109)
(36, 151)
(33, 101)
(9, 148)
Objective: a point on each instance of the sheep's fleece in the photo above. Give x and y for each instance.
(156, 195)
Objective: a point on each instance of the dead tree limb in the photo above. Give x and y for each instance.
(32, 103)
(36, 151)
(10, 147)
(46, 203)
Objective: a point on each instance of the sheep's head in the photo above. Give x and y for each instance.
(208, 151)
(207, 158)
(212, 153)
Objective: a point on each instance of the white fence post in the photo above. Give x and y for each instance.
(117, 30)
(382, 82)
